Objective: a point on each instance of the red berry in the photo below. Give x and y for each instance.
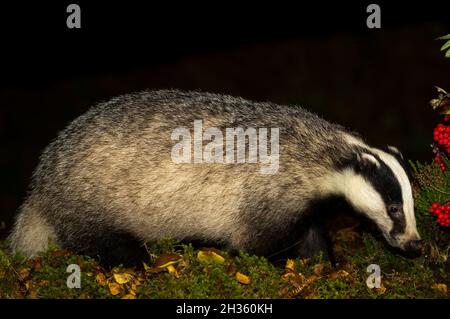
(435, 205)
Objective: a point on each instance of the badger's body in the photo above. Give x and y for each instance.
(109, 179)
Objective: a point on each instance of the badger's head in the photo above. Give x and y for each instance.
(376, 184)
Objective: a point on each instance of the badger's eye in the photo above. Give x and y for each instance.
(394, 210)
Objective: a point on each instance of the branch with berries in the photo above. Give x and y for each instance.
(441, 149)
(441, 133)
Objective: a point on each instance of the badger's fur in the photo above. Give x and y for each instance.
(108, 181)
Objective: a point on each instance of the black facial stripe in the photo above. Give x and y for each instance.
(402, 163)
(399, 225)
(383, 180)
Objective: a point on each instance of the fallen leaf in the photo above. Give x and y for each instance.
(100, 279)
(243, 279)
(171, 269)
(440, 287)
(381, 290)
(129, 296)
(304, 262)
(122, 278)
(209, 256)
(24, 273)
(114, 288)
(295, 279)
(289, 265)
(133, 290)
(307, 282)
(166, 260)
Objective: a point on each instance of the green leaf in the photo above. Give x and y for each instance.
(447, 54)
(446, 45)
(445, 37)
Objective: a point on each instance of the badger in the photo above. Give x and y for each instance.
(108, 183)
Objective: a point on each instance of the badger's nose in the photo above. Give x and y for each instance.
(414, 246)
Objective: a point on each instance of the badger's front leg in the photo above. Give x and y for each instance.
(314, 240)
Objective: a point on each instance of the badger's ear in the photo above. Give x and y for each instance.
(366, 160)
(395, 152)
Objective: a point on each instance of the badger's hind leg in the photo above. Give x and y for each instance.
(115, 248)
(31, 232)
(108, 245)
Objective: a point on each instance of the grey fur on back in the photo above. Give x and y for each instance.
(111, 170)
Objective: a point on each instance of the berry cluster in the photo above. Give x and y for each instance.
(442, 212)
(441, 136)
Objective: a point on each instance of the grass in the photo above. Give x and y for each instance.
(176, 270)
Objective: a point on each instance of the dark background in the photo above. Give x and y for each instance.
(321, 56)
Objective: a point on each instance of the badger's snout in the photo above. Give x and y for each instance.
(414, 246)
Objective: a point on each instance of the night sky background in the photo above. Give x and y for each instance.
(322, 56)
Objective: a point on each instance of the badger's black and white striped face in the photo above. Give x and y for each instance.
(379, 187)
(376, 184)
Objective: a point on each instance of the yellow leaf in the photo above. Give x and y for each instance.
(122, 278)
(24, 273)
(304, 262)
(166, 260)
(146, 267)
(440, 287)
(114, 288)
(289, 265)
(129, 296)
(298, 289)
(243, 279)
(100, 279)
(342, 273)
(171, 269)
(381, 290)
(209, 256)
(295, 279)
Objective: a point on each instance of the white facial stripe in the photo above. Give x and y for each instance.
(359, 193)
(370, 158)
(408, 201)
